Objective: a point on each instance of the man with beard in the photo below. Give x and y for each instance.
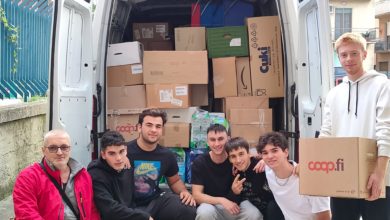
(151, 162)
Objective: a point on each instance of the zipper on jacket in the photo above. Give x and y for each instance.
(82, 204)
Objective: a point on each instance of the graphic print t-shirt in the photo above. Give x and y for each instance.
(149, 167)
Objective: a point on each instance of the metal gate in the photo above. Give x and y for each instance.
(25, 39)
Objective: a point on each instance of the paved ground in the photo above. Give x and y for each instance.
(6, 208)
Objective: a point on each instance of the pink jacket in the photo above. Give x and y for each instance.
(36, 197)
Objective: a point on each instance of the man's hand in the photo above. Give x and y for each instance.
(238, 185)
(260, 167)
(296, 170)
(325, 215)
(187, 198)
(230, 206)
(376, 179)
(374, 185)
(127, 163)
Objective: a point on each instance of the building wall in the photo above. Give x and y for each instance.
(382, 24)
(21, 136)
(363, 13)
(383, 57)
(383, 32)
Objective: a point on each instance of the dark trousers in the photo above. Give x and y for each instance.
(353, 209)
(168, 206)
(272, 212)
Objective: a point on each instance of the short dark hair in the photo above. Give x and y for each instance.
(236, 143)
(277, 139)
(112, 138)
(154, 112)
(216, 128)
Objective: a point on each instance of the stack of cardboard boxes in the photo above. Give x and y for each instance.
(246, 71)
(249, 117)
(246, 67)
(124, 82)
(171, 80)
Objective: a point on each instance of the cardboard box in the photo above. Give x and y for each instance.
(124, 53)
(266, 61)
(176, 135)
(126, 111)
(168, 96)
(251, 116)
(180, 115)
(190, 38)
(199, 95)
(150, 31)
(126, 97)
(224, 77)
(337, 167)
(188, 67)
(157, 45)
(227, 41)
(244, 82)
(244, 102)
(251, 133)
(124, 75)
(124, 124)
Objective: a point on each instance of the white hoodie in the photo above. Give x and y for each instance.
(360, 108)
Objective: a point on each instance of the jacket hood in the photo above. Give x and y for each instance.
(367, 75)
(355, 84)
(101, 164)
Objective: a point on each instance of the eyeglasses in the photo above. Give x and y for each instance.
(54, 148)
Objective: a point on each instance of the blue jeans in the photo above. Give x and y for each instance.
(353, 209)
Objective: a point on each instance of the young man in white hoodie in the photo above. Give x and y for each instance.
(360, 107)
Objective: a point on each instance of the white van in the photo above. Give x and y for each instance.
(78, 63)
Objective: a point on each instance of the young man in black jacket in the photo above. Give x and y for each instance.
(248, 184)
(113, 185)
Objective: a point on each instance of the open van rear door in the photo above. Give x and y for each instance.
(315, 64)
(71, 75)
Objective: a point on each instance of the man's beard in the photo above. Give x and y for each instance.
(144, 138)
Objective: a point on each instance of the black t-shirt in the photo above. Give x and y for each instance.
(216, 179)
(255, 188)
(149, 167)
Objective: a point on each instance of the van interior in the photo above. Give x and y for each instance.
(177, 13)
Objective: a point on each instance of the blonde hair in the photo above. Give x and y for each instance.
(350, 38)
(55, 132)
